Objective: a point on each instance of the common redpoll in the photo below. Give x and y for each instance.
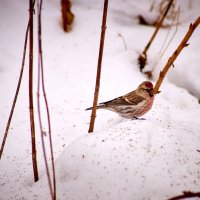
(133, 104)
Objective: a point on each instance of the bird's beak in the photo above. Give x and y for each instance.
(151, 92)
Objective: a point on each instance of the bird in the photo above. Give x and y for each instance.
(132, 105)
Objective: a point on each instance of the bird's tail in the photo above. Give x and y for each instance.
(100, 106)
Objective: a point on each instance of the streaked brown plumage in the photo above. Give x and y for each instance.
(132, 105)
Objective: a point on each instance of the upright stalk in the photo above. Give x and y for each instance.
(158, 26)
(98, 76)
(16, 93)
(31, 108)
(143, 56)
(41, 77)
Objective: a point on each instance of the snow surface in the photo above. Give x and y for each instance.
(156, 158)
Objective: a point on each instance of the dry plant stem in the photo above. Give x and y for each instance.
(16, 93)
(120, 35)
(171, 60)
(162, 51)
(144, 53)
(186, 195)
(165, 46)
(41, 77)
(98, 76)
(31, 108)
(158, 27)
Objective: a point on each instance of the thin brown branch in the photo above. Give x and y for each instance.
(16, 93)
(98, 76)
(158, 27)
(171, 60)
(152, 6)
(31, 108)
(121, 36)
(164, 46)
(162, 51)
(41, 77)
(185, 195)
(143, 56)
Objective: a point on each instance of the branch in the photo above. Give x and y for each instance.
(163, 50)
(98, 76)
(164, 45)
(120, 35)
(186, 194)
(31, 108)
(41, 77)
(16, 93)
(143, 56)
(171, 60)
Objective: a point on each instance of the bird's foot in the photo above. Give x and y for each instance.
(136, 118)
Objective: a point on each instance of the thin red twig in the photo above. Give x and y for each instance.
(16, 93)
(41, 77)
(31, 107)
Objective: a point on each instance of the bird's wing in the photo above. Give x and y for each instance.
(134, 99)
(125, 100)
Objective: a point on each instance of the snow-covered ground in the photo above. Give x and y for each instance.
(156, 158)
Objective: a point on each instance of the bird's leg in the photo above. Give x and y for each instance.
(141, 119)
(136, 118)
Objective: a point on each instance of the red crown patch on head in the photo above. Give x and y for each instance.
(149, 84)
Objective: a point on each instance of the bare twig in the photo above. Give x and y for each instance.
(176, 53)
(16, 93)
(143, 56)
(31, 108)
(121, 36)
(152, 5)
(41, 77)
(164, 46)
(162, 51)
(98, 76)
(29, 27)
(186, 195)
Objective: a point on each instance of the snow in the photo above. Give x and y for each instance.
(156, 158)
